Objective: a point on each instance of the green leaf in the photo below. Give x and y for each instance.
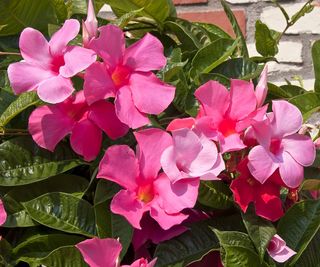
(15, 15)
(212, 55)
(316, 64)
(299, 225)
(236, 28)
(126, 18)
(238, 250)
(23, 162)
(63, 212)
(5, 253)
(308, 103)
(266, 44)
(215, 194)
(40, 246)
(20, 104)
(215, 30)
(158, 10)
(311, 184)
(105, 190)
(305, 10)
(260, 231)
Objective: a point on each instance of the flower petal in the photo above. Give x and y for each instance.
(230, 143)
(217, 168)
(242, 99)
(3, 213)
(291, 171)
(301, 148)
(48, 125)
(243, 192)
(169, 165)
(151, 144)
(26, 77)
(34, 48)
(63, 36)
(110, 45)
(100, 252)
(262, 87)
(181, 123)
(76, 59)
(103, 114)
(150, 95)
(126, 204)
(127, 111)
(287, 118)
(214, 98)
(86, 139)
(145, 55)
(55, 90)
(120, 165)
(261, 165)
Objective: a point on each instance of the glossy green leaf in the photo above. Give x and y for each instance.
(5, 253)
(126, 18)
(214, 30)
(316, 64)
(266, 44)
(23, 162)
(215, 194)
(105, 190)
(299, 225)
(20, 104)
(236, 28)
(307, 103)
(260, 230)
(63, 212)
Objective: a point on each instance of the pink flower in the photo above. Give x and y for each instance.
(224, 115)
(262, 87)
(48, 66)
(278, 250)
(89, 26)
(280, 146)
(265, 197)
(126, 75)
(145, 190)
(3, 213)
(105, 253)
(48, 125)
(191, 155)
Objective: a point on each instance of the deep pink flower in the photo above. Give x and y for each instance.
(278, 250)
(145, 190)
(3, 213)
(265, 197)
(191, 155)
(280, 146)
(105, 253)
(89, 26)
(125, 74)
(224, 115)
(48, 125)
(48, 66)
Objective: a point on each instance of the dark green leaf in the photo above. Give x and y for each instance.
(215, 30)
(266, 44)
(63, 212)
(5, 253)
(307, 103)
(316, 64)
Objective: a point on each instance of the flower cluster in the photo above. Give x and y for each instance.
(232, 139)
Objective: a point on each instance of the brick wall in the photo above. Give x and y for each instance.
(295, 47)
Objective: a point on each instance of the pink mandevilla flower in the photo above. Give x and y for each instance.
(224, 115)
(278, 250)
(3, 213)
(191, 155)
(126, 75)
(281, 146)
(89, 26)
(144, 188)
(48, 125)
(48, 66)
(105, 253)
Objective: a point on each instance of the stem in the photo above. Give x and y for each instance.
(9, 53)
(138, 28)
(13, 132)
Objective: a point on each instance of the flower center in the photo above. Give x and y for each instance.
(146, 193)
(56, 63)
(275, 146)
(120, 75)
(227, 127)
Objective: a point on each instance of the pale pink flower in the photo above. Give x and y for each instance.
(145, 190)
(48, 125)
(105, 253)
(3, 213)
(278, 250)
(48, 66)
(281, 146)
(89, 26)
(191, 155)
(262, 87)
(126, 74)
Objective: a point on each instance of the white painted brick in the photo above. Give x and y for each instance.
(282, 67)
(310, 23)
(308, 84)
(245, 1)
(289, 52)
(106, 12)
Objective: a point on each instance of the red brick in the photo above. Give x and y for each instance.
(217, 17)
(189, 2)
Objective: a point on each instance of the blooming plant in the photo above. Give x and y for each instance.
(151, 141)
